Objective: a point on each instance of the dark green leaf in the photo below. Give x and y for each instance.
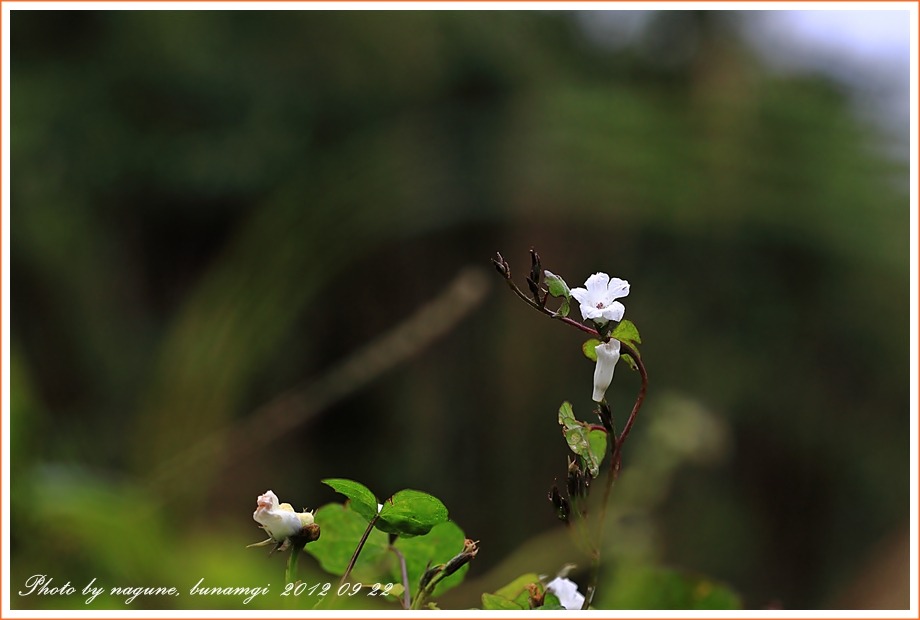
(411, 513)
(442, 543)
(342, 529)
(363, 501)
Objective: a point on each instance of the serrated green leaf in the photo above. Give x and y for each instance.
(363, 501)
(341, 530)
(411, 513)
(492, 602)
(556, 285)
(588, 348)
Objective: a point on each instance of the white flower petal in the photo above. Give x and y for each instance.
(608, 354)
(613, 312)
(567, 592)
(597, 283)
(279, 520)
(617, 288)
(581, 294)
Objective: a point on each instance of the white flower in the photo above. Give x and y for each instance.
(280, 521)
(596, 301)
(607, 355)
(567, 592)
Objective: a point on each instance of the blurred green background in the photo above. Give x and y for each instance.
(214, 212)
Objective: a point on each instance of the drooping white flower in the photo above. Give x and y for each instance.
(279, 520)
(608, 353)
(596, 300)
(567, 592)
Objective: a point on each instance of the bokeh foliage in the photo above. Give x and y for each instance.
(210, 208)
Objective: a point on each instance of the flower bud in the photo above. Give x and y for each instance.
(279, 520)
(607, 355)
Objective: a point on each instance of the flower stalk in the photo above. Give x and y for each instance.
(597, 304)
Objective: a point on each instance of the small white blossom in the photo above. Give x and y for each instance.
(279, 520)
(596, 300)
(567, 592)
(607, 355)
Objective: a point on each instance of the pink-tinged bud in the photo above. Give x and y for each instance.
(279, 520)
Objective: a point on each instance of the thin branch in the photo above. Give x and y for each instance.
(290, 573)
(354, 556)
(639, 399)
(544, 310)
(407, 599)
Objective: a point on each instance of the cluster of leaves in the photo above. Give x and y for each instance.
(406, 540)
(526, 592)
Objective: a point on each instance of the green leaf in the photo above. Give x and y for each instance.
(588, 348)
(626, 357)
(517, 591)
(567, 416)
(519, 585)
(597, 438)
(577, 436)
(341, 530)
(493, 602)
(579, 444)
(442, 543)
(557, 286)
(550, 602)
(411, 513)
(363, 501)
(626, 332)
(563, 308)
